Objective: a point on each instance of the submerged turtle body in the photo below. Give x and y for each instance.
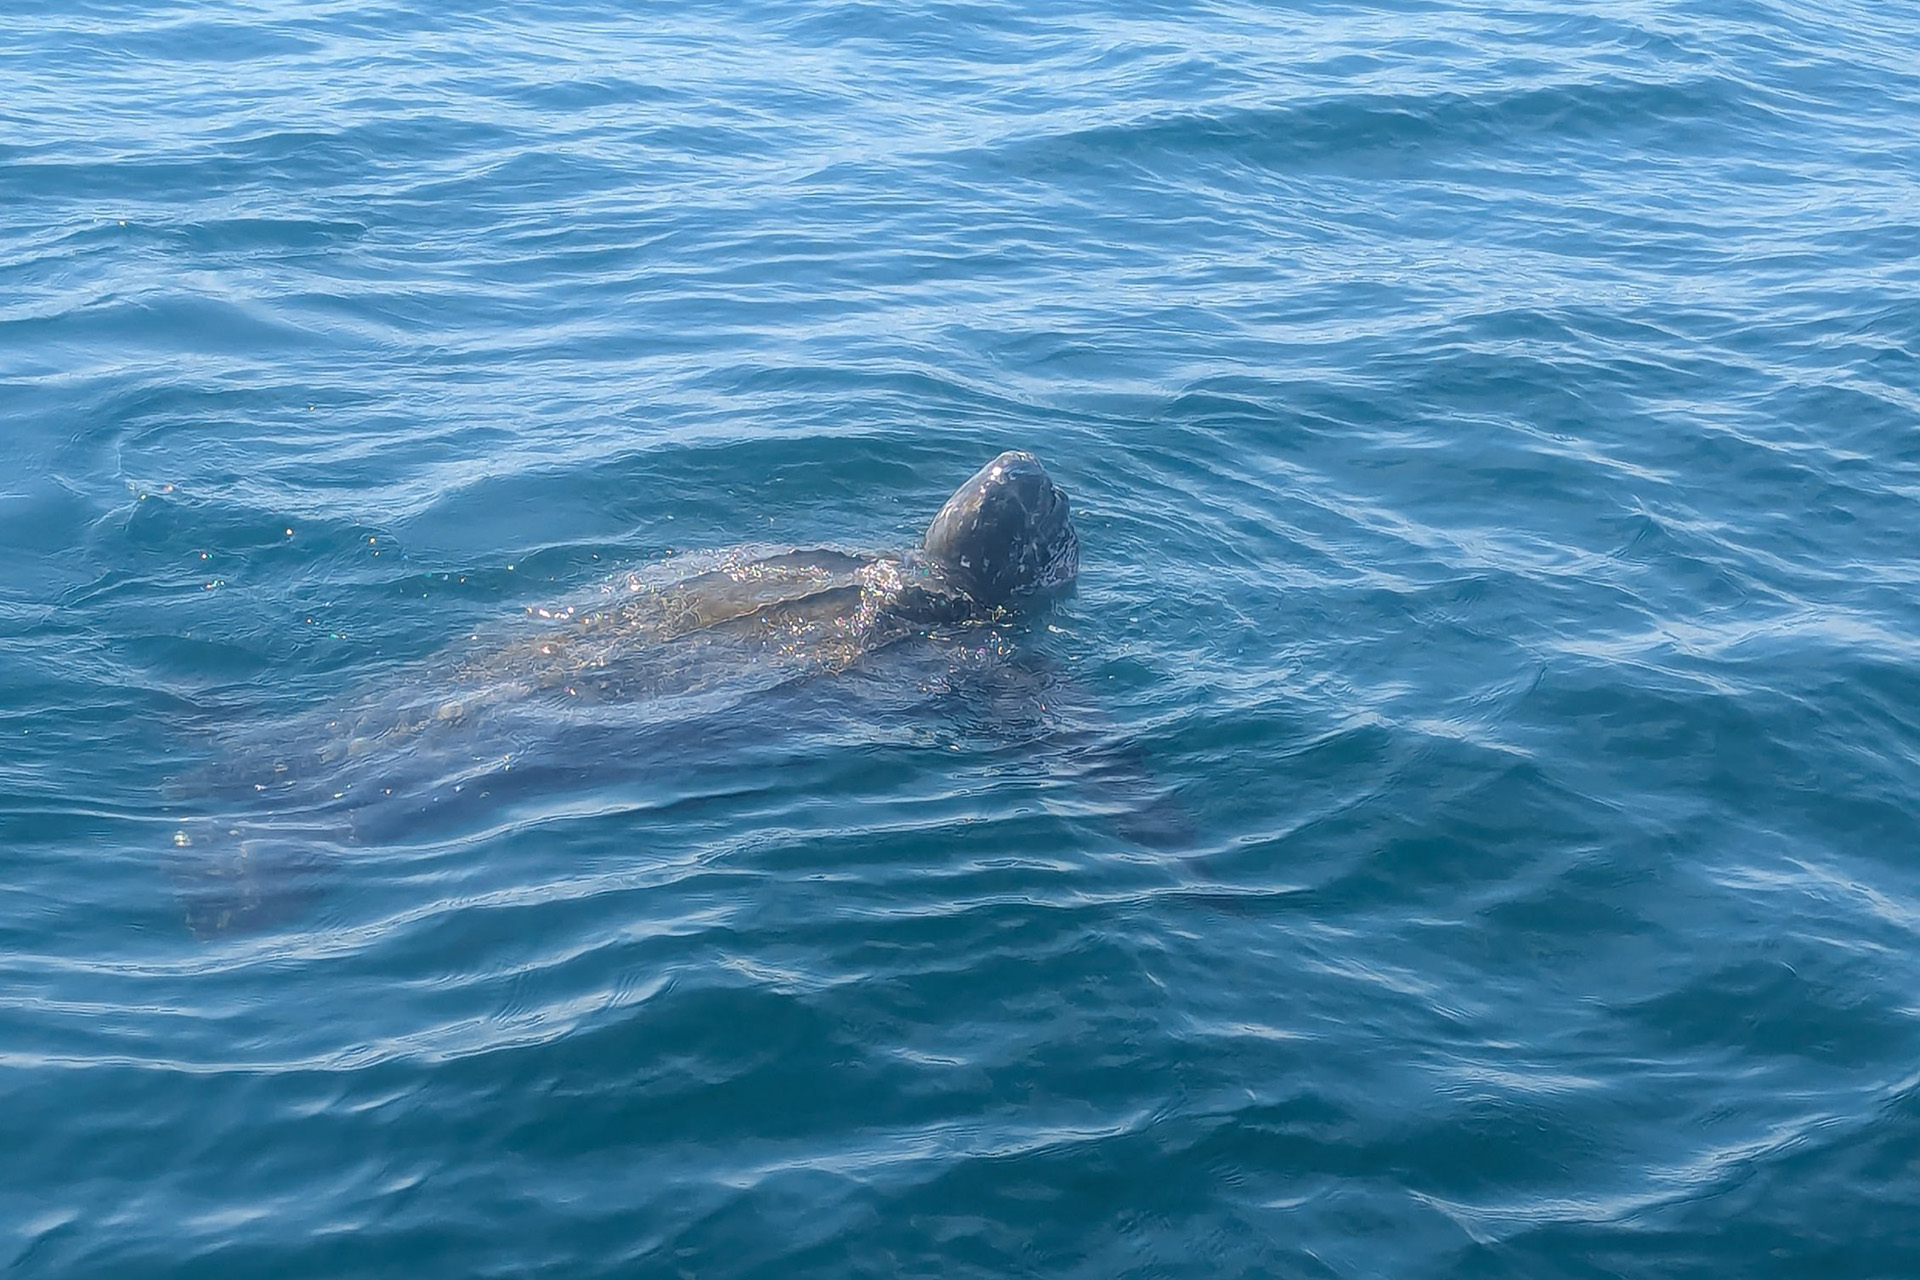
(652, 674)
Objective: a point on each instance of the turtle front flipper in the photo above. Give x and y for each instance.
(232, 880)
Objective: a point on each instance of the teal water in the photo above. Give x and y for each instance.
(1463, 825)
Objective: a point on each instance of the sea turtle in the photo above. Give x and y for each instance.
(649, 675)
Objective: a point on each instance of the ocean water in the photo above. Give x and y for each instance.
(1466, 822)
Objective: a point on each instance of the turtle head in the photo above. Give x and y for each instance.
(1007, 533)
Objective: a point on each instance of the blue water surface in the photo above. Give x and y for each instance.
(1465, 824)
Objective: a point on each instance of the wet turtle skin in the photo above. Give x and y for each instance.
(656, 669)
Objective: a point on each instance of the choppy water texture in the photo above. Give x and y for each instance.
(1463, 825)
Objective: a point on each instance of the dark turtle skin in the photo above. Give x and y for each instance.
(1006, 535)
(597, 686)
(1004, 541)
(1003, 544)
